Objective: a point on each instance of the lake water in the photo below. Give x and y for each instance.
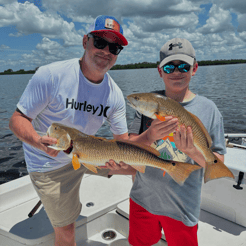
(224, 84)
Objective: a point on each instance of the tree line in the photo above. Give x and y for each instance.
(138, 66)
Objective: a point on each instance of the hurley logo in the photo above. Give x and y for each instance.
(87, 107)
(174, 45)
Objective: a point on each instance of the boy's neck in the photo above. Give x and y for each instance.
(184, 96)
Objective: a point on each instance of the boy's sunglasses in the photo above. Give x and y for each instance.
(101, 43)
(183, 68)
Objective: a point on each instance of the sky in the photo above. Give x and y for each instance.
(37, 32)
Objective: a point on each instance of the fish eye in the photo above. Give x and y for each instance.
(136, 98)
(55, 127)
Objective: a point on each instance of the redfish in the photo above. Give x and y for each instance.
(93, 152)
(155, 106)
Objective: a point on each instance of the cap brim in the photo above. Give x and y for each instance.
(180, 57)
(121, 39)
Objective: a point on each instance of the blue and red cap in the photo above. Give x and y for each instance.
(105, 23)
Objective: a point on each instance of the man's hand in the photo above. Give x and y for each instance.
(112, 165)
(44, 142)
(119, 168)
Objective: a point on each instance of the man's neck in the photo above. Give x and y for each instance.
(92, 76)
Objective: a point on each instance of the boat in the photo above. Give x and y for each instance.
(104, 219)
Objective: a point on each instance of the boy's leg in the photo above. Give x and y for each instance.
(177, 233)
(144, 227)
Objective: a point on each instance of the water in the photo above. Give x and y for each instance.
(224, 84)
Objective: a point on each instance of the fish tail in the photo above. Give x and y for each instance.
(181, 171)
(216, 170)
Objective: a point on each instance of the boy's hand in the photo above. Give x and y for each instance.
(160, 129)
(183, 139)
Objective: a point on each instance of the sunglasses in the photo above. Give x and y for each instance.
(183, 68)
(101, 43)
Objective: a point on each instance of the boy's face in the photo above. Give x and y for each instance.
(177, 81)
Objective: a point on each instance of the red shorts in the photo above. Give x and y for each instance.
(145, 229)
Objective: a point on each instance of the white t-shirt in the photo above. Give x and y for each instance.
(59, 92)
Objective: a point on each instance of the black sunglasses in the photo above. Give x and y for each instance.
(101, 43)
(170, 67)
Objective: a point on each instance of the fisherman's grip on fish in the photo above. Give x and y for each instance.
(93, 152)
(155, 106)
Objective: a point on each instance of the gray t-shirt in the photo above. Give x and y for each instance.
(161, 195)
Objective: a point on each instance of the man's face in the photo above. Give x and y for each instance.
(101, 59)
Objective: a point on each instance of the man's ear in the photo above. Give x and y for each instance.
(84, 41)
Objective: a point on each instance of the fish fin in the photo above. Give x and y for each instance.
(99, 138)
(141, 169)
(204, 130)
(142, 146)
(161, 118)
(55, 147)
(75, 162)
(90, 167)
(181, 171)
(216, 170)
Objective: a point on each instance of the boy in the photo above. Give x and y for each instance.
(156, 201)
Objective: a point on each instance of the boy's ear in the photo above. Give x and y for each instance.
(195, 67)
(159, 71)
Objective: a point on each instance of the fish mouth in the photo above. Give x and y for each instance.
(70, 149)
(131, 105)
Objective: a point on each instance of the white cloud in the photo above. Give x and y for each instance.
(147, 25)
(238, 6)
(28, 19)
(3, 2)
(4, 47)
(242, 22)
(219, 21)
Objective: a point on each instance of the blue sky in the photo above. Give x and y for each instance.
(34, 33)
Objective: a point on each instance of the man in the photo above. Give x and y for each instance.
(78, 93)
(157, 202)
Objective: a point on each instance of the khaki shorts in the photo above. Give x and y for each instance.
(59, 192)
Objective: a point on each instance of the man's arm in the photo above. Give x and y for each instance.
(22, 127)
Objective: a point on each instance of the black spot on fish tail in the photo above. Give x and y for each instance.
(215, 161)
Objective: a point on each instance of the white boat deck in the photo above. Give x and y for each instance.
(222, 220)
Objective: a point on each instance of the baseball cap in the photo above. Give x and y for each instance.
(106, 23)
(177, 49)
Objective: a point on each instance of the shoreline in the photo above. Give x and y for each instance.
(141, 65)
